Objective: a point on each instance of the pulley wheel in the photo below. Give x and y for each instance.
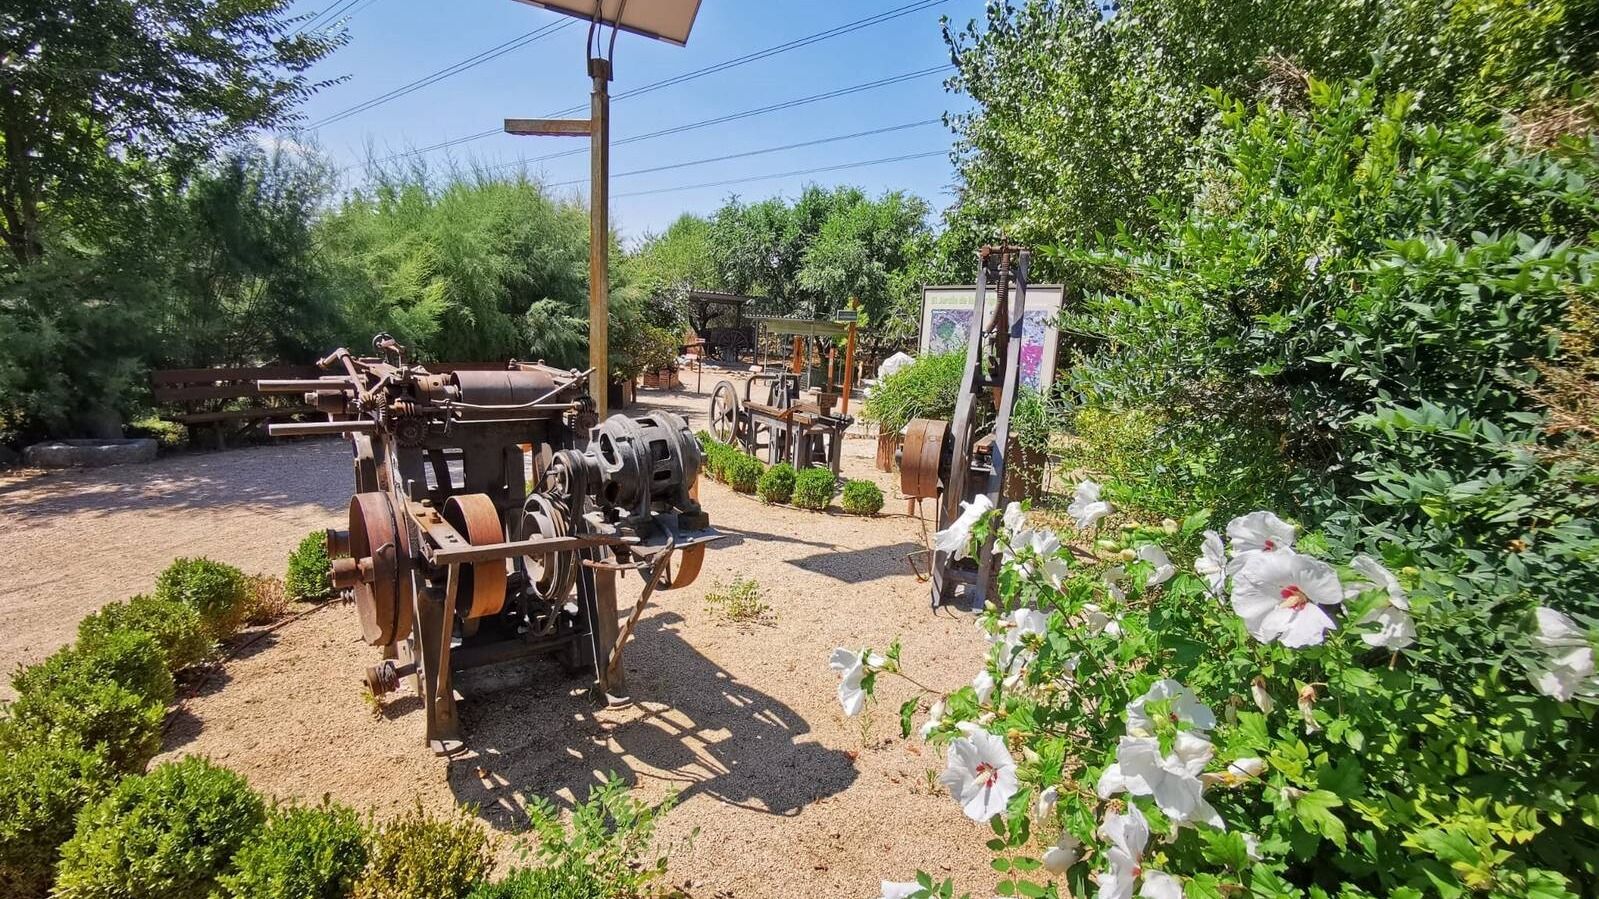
(482, 586)
(922, 456)
(724, 411)
(380, 549)
(367, 464)
(682, 569)
(550, 576)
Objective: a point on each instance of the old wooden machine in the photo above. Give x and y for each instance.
(787, 429)
(491, 518)
(954, 462)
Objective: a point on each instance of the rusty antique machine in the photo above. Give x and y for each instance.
(788, 429)
(955, 462)
(491, 518)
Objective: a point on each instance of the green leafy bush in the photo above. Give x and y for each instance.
(41, 791)
(170, 834)
(176, 627)
(314, 852)
(777, 484)
(309, 576)
(926, 388)
(861, 497)
(93, 714)
(418, 854)
(744, 472)
(131, 659)
(813, 488)
(1264, 716)
(742, 601)
(219, 592)
(601, 856)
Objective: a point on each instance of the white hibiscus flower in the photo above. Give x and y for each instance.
(980, 774)
(1184, 709)
(1045, 806)
(1063, 854)
(899, 890)
(1172, 780)
(852, 668)
(1567, 668)
(957, 538)
(1279, 594)
(1012, 638)
(1395, 628)
(935, 719)
(1154, 555)
(983, 686)
(1376, 577)
(1098, 622)
(1212, 563)
(1086, 508)
(1238, 771)
(1258, 533)
(1128, 835)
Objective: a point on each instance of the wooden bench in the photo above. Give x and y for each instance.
(209, 396)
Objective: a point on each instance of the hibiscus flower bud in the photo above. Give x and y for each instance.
(1030, 756)
(1230, 711)
(1046, 802)
(1108, 546)
(1170, 526)
(985, 719)
(1127, 555)
(1307, 706)
(1014, 738)
(1293, 794)
(1257, 690)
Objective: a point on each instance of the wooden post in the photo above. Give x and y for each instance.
(599, 234)
(849, 368)
(832, 357)
(797, 364)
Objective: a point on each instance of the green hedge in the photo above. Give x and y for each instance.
(309, 576)
(170, 834)
(813, 488)
(419, 855)
(777, 484)
(131, 659)
(177, 628)
(219, 592)
(315, 852)
(862, 498)
(744, 472)
(42, 789)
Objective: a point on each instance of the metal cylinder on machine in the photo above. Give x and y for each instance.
(646, 461)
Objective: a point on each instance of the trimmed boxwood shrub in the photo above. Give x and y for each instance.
(744, 472)
(813, 488)
(176, 628)
(568, 879)
(219, 592)
(777, 484)
(91, 714)
(42, 788)
(314, 852)
(170, 834)
(418, 854)
(862, 497)
(131, 659)
(309, 574)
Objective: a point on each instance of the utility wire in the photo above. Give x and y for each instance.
(723, 66)
(815, 171)
(761, 152)
(327, 15)
(736, 116)
(470, 62)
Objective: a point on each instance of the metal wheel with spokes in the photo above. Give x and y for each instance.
(724, 412)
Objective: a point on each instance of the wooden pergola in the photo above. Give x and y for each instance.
(841, 328)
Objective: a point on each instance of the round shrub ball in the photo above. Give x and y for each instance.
(813, 488)
(90, 714)
(170, 834)
(219, 592)
(777, 484)
(130, 659)
(302, 853)
(418, 854)
(569, 878)
(862, 498)
(310, 571)
(744, 472)
(176, 628)
(42, 788)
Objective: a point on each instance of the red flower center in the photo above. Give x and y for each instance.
(987, 774)
(1269, 545)
(1294, 598)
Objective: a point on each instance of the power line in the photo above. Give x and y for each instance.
(761, 152)
(327, 15)
(723, 66)
(797, 172)
(745, 114)
(471, 62)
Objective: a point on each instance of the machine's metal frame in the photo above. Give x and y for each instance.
(453, 562)
(786, 428)
(952, 462)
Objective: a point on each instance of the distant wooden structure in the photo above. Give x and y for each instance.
(718, 319)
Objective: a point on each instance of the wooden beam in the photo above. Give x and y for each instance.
(550, 127)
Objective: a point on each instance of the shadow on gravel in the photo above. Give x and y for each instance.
(857, 565)
(298, 473)
(692, 725)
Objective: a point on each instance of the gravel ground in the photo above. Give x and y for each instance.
(783, 794)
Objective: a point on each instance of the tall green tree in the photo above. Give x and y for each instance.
(668, 265)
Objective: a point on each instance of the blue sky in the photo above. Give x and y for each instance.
(394, 42)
